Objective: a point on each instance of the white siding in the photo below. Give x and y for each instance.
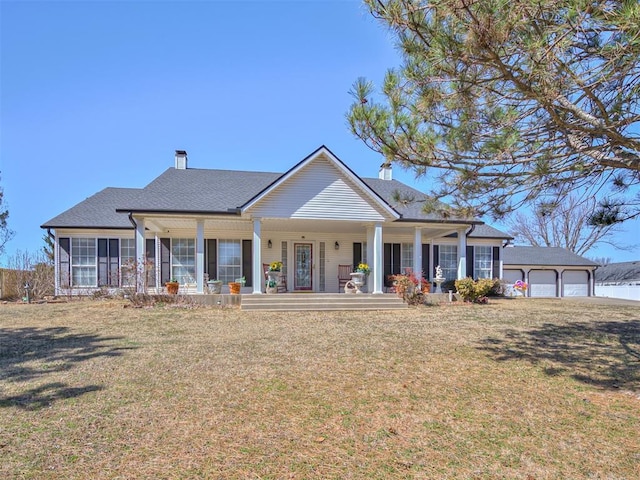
(575, 283)
(542, 283)
(318, 191)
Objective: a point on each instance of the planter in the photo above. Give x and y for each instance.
(215, 286)
(172, 287)
(273, 280)
(358, 280)
(234, 288)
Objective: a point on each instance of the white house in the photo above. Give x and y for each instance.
(192, 224)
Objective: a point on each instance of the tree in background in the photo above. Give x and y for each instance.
(513, 102)
(5, 233)
(564, 224)
(48, 248)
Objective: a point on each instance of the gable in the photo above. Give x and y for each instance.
(319, 190)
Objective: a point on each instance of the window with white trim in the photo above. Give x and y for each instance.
(127, 262)
(84, 267)
(482, 262)
(448, 261)
(406, 257)
(229, 260)
(183, 260)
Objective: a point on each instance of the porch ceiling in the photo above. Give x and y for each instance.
(166, 224)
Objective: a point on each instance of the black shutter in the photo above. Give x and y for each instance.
(436, 259)
(64, 263)
(470, 262)
(496, 262)
(247, 262)
(386, 262)
(103, 265)
(396, 266)
(114, 262)
(425, 261)
(165, 260)
(357, 255)
(151, 261)
(212, 259)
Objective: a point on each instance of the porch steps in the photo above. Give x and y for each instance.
(322, 302)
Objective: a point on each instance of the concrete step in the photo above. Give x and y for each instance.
(321, 302)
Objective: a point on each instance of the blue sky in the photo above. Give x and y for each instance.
(96, 94)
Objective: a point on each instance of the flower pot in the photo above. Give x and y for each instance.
(234, 288)
(215, 286)
(172, 287)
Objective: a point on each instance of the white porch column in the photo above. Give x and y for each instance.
(378, 270)
(370, 257)
(417, 253)
(141, 257)
(559, 272)
(200, 256)
(462, 253)
(257, 257)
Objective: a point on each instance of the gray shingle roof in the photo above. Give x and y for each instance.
(619, 272)
(543, 256)
(218, 191)
(199, 190)
(97, 211)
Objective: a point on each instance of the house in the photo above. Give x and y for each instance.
(619, 280)
(191, 224)
(549, 271)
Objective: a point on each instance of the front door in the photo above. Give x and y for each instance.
(303, 258)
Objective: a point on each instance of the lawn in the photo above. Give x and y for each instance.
(517, 389)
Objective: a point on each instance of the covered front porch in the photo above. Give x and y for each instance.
(311, 251)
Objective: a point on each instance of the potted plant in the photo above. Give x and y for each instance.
(234, 287)
(215, 286)
(359, 276)
(172, 286)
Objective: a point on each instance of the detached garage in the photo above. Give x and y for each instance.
(549, 271)
(543, 283)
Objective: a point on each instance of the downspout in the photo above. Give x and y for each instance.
(473, 227)
(133, 222)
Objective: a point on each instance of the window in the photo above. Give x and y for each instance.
(183, 260)
(229, 260)
(483, 262)
(83, 262)
(128, 262)
(406, 262)
(448, 261)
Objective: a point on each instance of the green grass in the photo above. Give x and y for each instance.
(530, 389)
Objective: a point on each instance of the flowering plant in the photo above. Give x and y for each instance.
(275, 266)
(363, 268)
(520, 286)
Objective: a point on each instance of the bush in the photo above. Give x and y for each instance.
(406, 287)
(475, 290)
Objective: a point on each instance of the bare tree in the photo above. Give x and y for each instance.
(564, 224)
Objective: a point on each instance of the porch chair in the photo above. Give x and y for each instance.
(344, 275)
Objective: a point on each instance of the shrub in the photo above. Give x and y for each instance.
(475, 290)
(406, 284)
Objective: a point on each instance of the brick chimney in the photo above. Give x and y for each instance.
(181, 160)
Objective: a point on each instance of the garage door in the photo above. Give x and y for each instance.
(575, 284)
(510, 277)
(542, 283)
